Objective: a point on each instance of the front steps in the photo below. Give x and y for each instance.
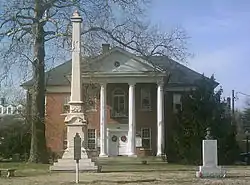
(94, 165)
(69, 165)
(127, 160)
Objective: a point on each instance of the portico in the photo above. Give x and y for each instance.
(109, 147)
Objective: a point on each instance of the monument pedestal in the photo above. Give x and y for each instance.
(210, 166)
(67, 163)
(205, 171)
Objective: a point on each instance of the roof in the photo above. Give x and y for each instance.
(180, 74)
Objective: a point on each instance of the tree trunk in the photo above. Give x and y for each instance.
(38, 150)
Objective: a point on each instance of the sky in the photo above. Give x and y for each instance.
(220, 38)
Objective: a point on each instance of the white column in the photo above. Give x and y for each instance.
(103, 122)
(160, 119)
(131, 120)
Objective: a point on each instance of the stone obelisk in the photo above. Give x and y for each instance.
(75, 119)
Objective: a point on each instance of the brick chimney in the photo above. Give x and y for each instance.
(105, 48)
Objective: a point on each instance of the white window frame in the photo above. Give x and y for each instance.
(148, 138)
(176, 101)
(143, 91)
(117, 114)
(11, 109)
(2, 109)
(66, 100)
(94, 139)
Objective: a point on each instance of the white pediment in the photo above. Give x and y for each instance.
(122, 62)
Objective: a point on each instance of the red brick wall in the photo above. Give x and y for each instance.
(55, 121)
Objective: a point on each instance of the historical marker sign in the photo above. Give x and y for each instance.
(77, 147)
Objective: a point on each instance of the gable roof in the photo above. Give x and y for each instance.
(180, 74)
(55, 76)
(144, 63)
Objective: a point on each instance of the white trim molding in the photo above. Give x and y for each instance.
(66, 89)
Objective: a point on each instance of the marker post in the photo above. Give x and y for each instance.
(77, 154)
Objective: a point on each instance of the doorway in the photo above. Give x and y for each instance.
(118, 143)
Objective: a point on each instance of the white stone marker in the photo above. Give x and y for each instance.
(210, 166)
(75, 120)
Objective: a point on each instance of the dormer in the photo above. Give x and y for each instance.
(10, 109)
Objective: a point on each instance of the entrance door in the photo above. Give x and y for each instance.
(118, 143)
(123, 143)
(113, 144)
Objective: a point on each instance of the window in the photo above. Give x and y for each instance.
(146, 138)
(1, 110)
(19, 109)
(9, 110)
(177, 105)
(91, 139)
(66, 104)
(145, 99)
(119, 103)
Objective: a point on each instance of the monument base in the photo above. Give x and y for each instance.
(211, 171)
(68, 164)
(210, 166)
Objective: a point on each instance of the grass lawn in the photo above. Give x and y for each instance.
(131, 174)
(25, 169)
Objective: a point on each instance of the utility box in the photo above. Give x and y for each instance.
(77, 147)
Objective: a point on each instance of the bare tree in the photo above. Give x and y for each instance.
(40, 25)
